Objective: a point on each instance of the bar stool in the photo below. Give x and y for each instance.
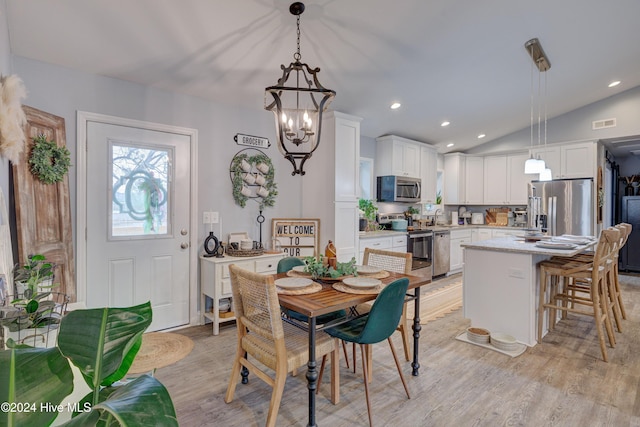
(625, 231)
(576, 282)
(613, 284)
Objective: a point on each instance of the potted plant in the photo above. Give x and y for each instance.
(412, 212)
(34, 312)
(102, 344)
(36, 275)
(34, 318)
(368, 210)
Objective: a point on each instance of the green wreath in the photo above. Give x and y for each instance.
(49, 163)
(236, 173)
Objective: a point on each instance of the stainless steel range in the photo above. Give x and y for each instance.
(419, 242)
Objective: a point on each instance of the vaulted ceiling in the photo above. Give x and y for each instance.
(461, 61)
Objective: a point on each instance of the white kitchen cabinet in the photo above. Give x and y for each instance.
(215, 281)
(399, 243)
(505, 182)
(330, 187)
(463, 179)
(517, 183)
(428, 173)
(507, 232)
(384, 243)
(456, 258)
(573, 160)
(479, 234)
(474, 180)
(454, 178)
(397, 156)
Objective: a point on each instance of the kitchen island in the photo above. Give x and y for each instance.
(501, 282)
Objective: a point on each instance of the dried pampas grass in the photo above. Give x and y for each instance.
(12, 118)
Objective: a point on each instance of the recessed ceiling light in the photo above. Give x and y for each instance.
(614, 83)
(450, 144)
(482, 135)
(445, 123)
(395, 105)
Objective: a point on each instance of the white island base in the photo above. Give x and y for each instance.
(501, 283)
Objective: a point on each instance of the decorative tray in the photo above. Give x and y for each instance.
(240, 252)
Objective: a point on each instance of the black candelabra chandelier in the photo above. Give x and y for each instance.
(298, 108)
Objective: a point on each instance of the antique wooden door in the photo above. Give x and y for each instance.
(43, 211)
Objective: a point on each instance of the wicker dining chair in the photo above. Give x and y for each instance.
(397, 262)
(275, 344)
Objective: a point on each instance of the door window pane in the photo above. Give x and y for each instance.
(140, 177)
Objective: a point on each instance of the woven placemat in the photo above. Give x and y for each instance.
(379, 275)
(349, 290)
(311, 289)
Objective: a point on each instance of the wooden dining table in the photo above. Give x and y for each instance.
(329, 300)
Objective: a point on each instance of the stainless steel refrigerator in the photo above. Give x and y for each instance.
(567, 206)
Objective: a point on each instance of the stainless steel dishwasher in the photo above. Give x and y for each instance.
(441, 247)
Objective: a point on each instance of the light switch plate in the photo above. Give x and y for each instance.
(206, 217)
(215, 217)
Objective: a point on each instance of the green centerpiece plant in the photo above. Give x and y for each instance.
(318, 269)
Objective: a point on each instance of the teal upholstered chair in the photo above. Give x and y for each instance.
(287, 263)
(378, 325)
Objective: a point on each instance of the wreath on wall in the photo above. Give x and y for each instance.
(239, 170)
(48, 162)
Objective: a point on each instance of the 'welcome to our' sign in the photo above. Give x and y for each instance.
(297, 236)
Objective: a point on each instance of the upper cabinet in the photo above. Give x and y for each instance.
(463, 179)
(504, 179)
(574, 160)
(397, 156)
(428, 173)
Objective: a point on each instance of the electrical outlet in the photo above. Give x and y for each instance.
(215, 217)
(206, 217)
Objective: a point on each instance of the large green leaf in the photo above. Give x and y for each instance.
(142, 402)
(98, 341)
(35, 377)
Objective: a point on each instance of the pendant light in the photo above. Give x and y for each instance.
(540, 60)
(298, 107)
(545, 175)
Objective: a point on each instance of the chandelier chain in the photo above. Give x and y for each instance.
(297, 55)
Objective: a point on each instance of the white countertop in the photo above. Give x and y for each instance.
(518, 245)
(385, 233)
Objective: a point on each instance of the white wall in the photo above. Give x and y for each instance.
(576, 125)
(5, 70)
(63, 91)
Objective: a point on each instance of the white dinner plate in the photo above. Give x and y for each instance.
(299, 268)
(574, 240)
(555, 245)
(361, 282)
(367, 269)
(293, 282)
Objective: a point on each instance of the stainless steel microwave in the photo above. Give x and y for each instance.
(398, 189)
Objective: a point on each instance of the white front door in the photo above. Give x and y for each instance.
(137, 220)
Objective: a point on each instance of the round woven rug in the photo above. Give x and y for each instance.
(160, 349)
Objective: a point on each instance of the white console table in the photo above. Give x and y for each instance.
(216, 283)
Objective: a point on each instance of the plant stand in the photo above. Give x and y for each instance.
(41, 337)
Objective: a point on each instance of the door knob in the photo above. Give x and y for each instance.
(183, 231)
(184, 245)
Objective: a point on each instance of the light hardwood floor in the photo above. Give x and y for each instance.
(561, 382)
